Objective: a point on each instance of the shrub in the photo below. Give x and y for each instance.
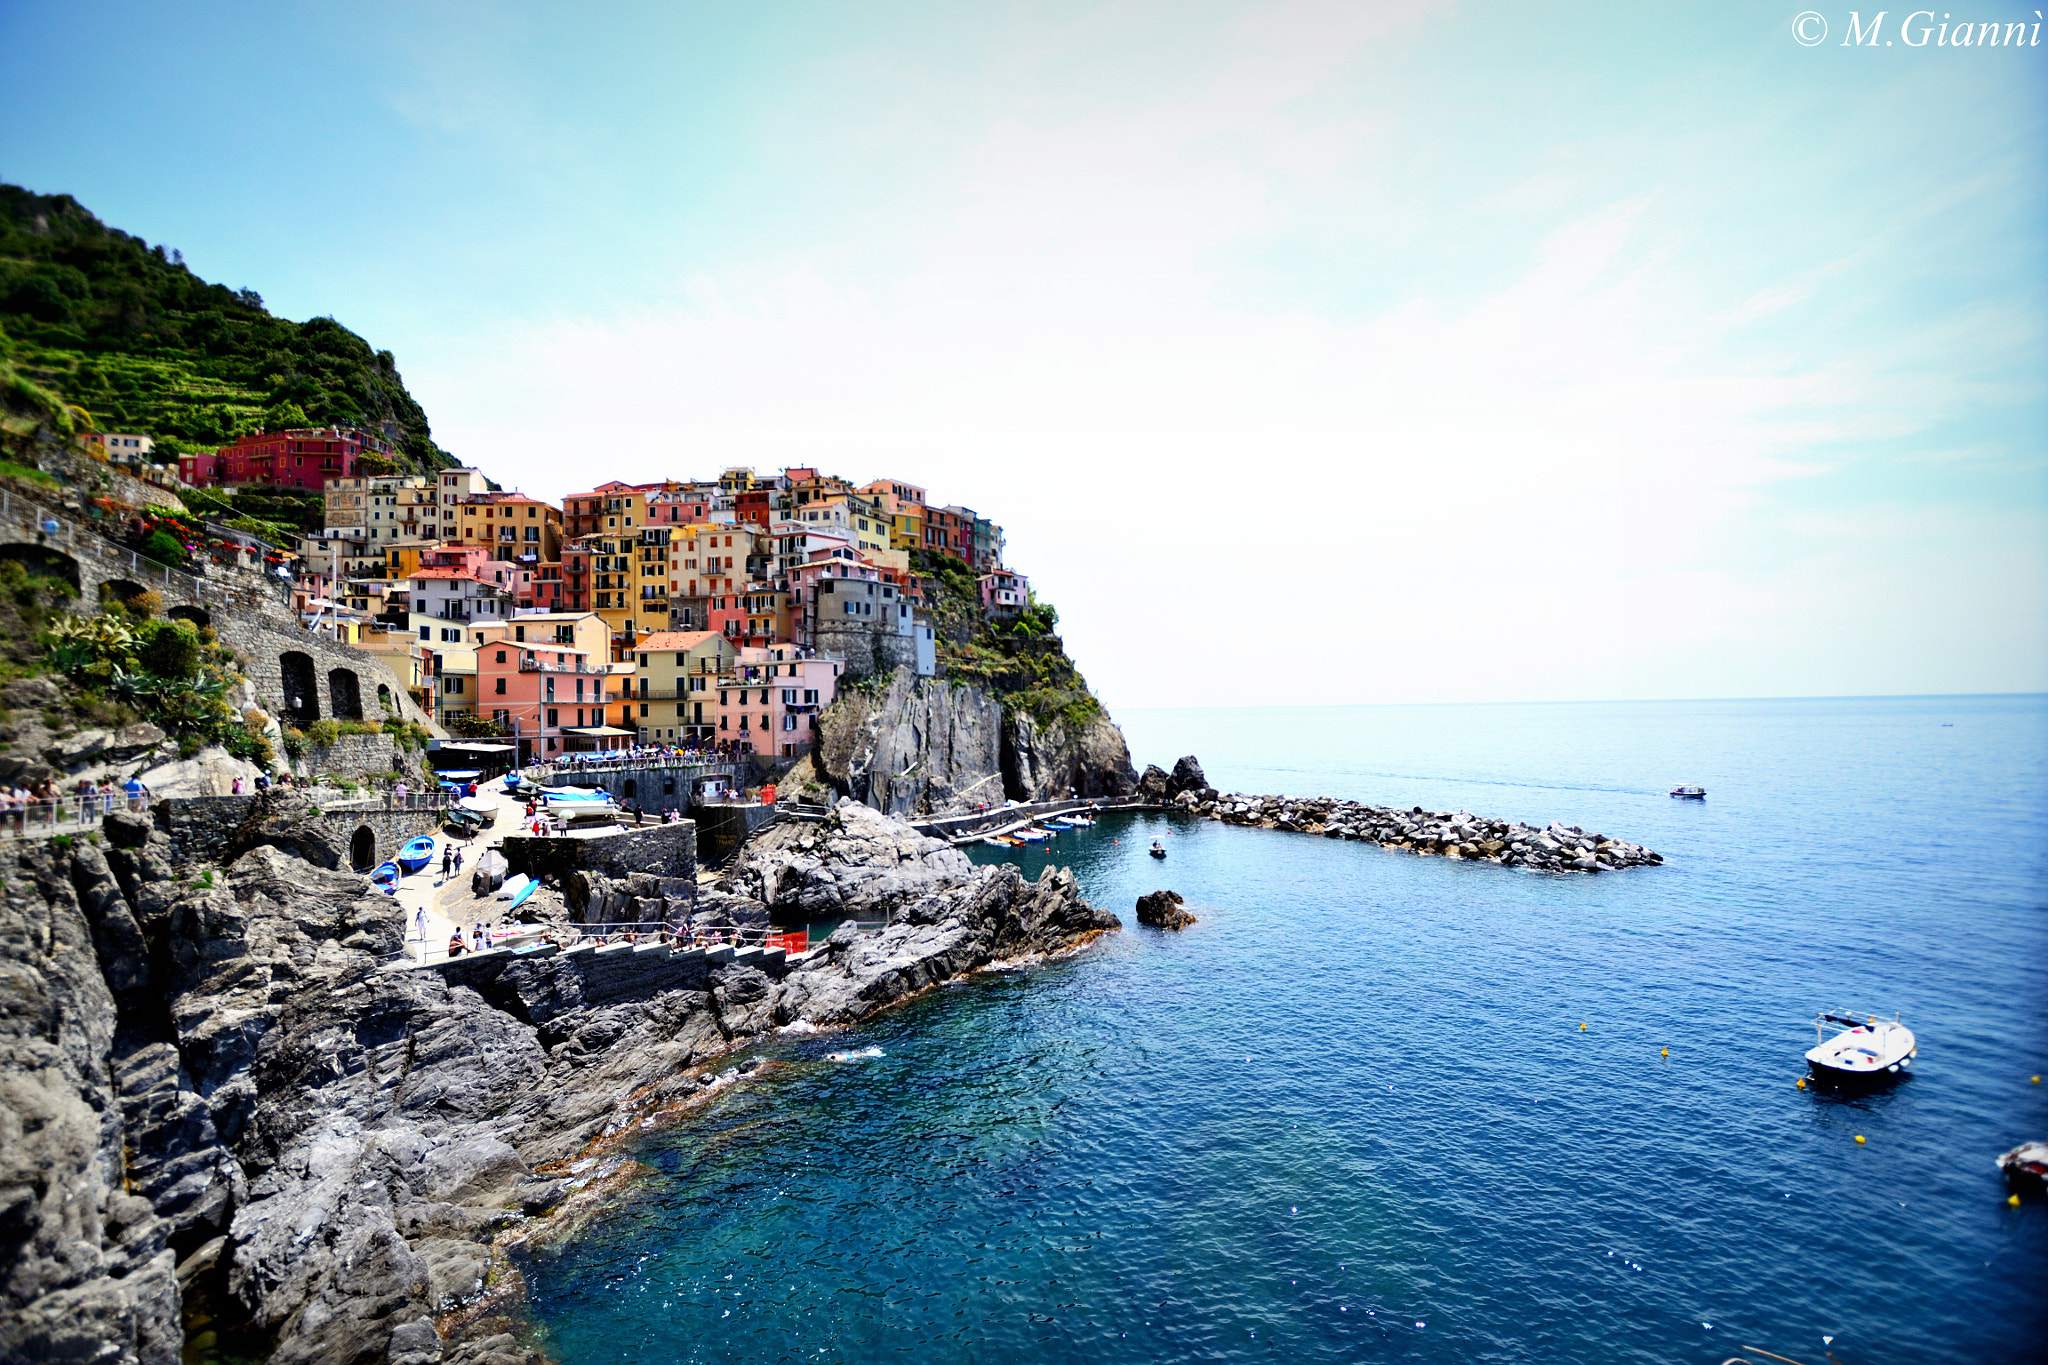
(165, 548)
(294, 741)
(323, 733)
(145, 605)
(170, 649)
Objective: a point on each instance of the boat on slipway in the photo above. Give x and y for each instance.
(416, 854)
(1865, 1050)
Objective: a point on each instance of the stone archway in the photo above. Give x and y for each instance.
(301, 691)
(198, 616)
(384, 699)
(344, 694)
(120, 590)
(41, 559)
(362, 849)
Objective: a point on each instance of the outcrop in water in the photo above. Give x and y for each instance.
(223, 1114)
(1162, 910)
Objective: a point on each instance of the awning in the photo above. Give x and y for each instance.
(473, 747)
(599, 731)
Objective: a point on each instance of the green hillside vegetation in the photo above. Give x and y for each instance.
(97, 321)
(1022, 662)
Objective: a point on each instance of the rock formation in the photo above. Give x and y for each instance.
(921, 746)
(225, 1111)
(1452, 834)
(1161, 910)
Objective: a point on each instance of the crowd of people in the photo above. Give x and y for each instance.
(690, 751)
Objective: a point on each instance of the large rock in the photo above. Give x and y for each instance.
(924, 745)
(210, 772)
(1161, 910)
(1187, 777)
(1153, 785)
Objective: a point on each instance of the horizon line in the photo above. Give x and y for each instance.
(1617, 701)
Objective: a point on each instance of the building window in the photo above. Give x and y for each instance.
(500, 689)
(554, 721)
(643, 710)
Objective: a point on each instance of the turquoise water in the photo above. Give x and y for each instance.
(1352, 1115)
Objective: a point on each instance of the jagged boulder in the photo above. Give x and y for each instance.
(1186, 777)
(1162, 910)
(1153, 783)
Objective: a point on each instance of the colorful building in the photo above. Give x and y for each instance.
(537, 679)
(300, 458)
(675, 685)
(771, 698)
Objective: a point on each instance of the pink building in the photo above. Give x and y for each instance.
(543, 693)
(771, 699)
(1004, 594)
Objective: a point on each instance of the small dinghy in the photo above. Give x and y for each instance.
(1032, 836)
(1158, 850)
(416, 854)
(1690, 793)
(385, 878)
(519, 898)
(1864, 1051)
(513, 885)
(2026, 1167)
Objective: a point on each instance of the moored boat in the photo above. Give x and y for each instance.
(2026, 1167)
(1690, 793)
(1864, 1050)
(416, 854)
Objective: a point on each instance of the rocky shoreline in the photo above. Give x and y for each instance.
(1450, 834)
(228, 1120)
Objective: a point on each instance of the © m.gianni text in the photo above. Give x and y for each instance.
(1921, 28)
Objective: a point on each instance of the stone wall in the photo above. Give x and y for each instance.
(535, 985)
(722, 829)
(356, 756)
(659, 850)
(218, 829)
(654, 788)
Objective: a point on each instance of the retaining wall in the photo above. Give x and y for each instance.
(659, 850)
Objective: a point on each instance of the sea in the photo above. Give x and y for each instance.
(1375, 1106)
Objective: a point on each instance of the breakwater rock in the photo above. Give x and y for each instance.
(229, 1114)
(1451, 834)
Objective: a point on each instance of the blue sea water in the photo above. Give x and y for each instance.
(1352, 1114)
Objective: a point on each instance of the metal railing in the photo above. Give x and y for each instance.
(64, 815)
(564, 935)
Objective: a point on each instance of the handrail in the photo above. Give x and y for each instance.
(65, 815)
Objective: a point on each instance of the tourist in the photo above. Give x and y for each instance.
(235, 787)
(420, 919)
(109, 794)
(447, 860)
(263, 782)
(455, 944)
(137, 793)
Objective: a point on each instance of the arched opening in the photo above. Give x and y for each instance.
(630, 790)
(43, 561)
(120, 590)
(668, 786)
(198, 616)
(344, 694)
(362, 849)
(384, 701)
(301, 693)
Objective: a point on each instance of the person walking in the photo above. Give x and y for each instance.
(447, 860)
(419, 919)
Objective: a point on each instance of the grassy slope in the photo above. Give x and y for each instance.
(104, 322)
(1022, 663)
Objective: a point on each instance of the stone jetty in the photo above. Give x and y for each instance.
(1451, 834)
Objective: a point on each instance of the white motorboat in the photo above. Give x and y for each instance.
(1863, 1049)
(1073, 822)
(1690, 793)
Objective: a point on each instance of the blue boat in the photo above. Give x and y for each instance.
(385, 878)
(416, 854)
(524, 892)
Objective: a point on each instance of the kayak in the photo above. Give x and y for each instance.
(524, 892)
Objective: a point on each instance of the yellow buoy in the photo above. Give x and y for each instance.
(2013, 1200)
(1666, 1052)
(2037, 1080)
(1801, 1082)
(1859, 1137)
(1582, 1028)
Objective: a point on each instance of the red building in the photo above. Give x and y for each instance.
(947, 532)
(305, 458)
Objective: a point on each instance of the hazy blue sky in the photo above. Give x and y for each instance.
(1309, 352)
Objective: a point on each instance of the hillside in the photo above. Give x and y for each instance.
(104, 322)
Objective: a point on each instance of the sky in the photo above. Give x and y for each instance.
(1308, 353)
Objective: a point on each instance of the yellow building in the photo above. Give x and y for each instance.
(675, 685)
(512, 526)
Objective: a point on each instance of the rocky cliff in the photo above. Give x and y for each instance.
(925, 745)
(225, 1118)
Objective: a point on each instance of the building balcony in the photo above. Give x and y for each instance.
(529, 664)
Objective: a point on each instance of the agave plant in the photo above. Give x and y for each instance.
(89, 644)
